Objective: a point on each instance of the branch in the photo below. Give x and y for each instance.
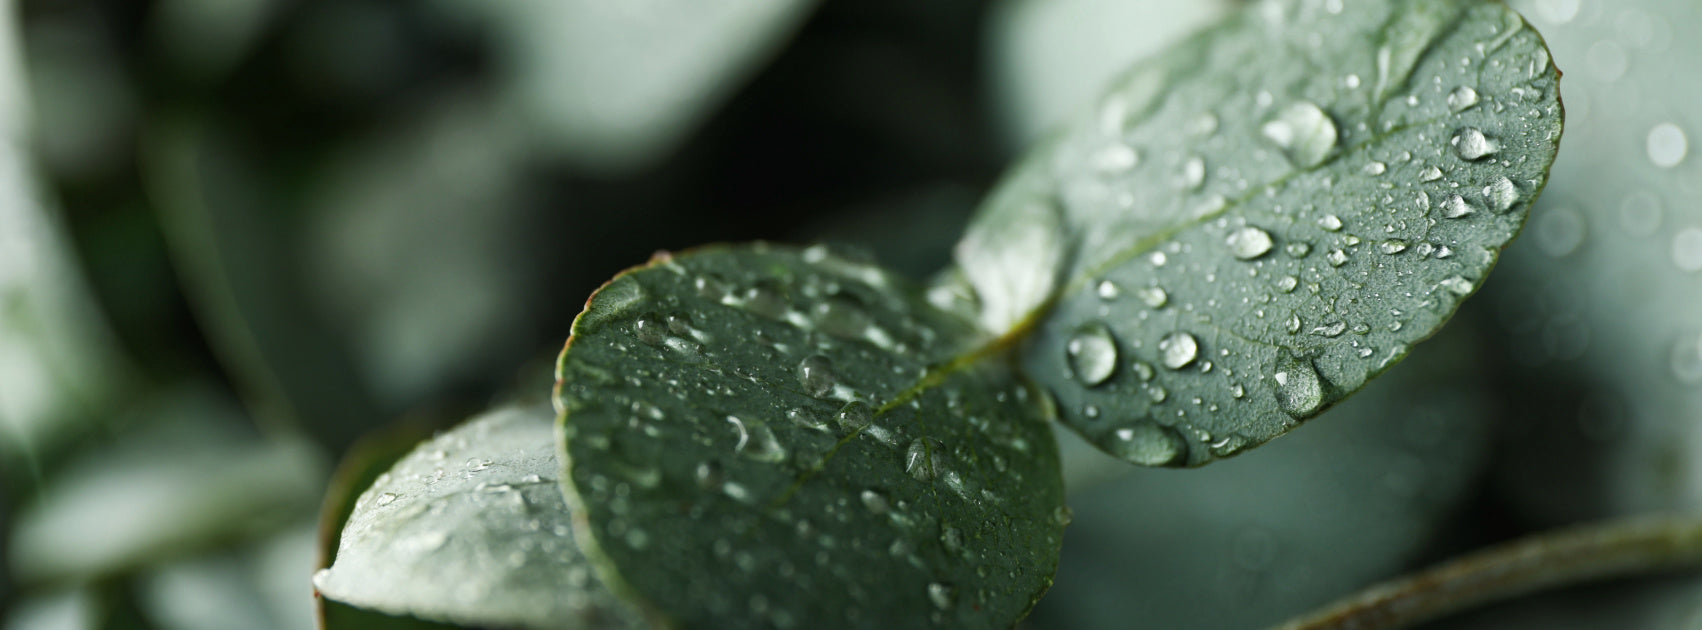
(1548, 560)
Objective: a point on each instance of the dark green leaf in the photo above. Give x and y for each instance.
(471, 529)
(763, 437)
(1250, 226)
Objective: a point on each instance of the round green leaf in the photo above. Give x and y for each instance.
(765, 437)
(1250, 226)
(471, 529)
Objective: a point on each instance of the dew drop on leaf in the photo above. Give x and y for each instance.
(1304, 133)
(1501, 193)
(1092, 354)
(1147, 444)
(1178, 349)
(1299, 391)
(815, 374)
(1154, 297)
(1248, 242)
(1456, 206)
(1462, 99)
(1471, 145)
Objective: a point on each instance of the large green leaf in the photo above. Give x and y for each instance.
(471, 529)
(1250, 226)
(766, 437)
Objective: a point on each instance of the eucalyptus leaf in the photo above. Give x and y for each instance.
(766, 437)
(470, 529)
(1258, 221)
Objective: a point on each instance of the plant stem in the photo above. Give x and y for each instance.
(1548, 560)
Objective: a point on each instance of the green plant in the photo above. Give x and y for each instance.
(1243, 232)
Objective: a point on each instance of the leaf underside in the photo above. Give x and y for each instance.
(1247, 228)
(766, 437)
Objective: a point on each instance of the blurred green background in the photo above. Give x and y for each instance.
(238, 235)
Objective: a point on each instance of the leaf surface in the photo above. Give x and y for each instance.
(767, 437)
(1250, 226)
(471, 529)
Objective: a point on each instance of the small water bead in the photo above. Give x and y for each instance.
(1157, 394)
(1330, 222)
(1108, 290)
(1471, 145)
(710, 475)
(815, 374)
(804, 418)
(1392, 246)
(1332, 329)
(1375, 168)
(1298, 249)
(1286, 284)
(1147, 444)
(1299, 390)
(1158, 259)
(1336, 257)
(1667, 145)
(1153, 297)
(765, 298)
(650, 329)
(1462, 99)
(1142, 371)
(1248, 242)
(1687, 249)
(944, 596)
(711, 287)
(1455, 206)
(1429, 174)
(1178, 349)
(842, 316)
(1193, 174)
(1686, 358)
(1204, 124)
(922, 460)
(1092, 354)
(1360, 328)
(1304, 132)
(1501, 193)
(874, 502)
(855, 415)
(1116, 158)
(386, 498)
(1457, 284)
(1293, 324)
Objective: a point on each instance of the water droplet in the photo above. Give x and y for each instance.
(1193, 174)
(711, 287)
(1304, 133)
(1330, 222)
(1686, 358)
(815, 374)
(1108, 290)
(1299, 391)
(1455, 206)
(1501, 193)
(1293, 324)
(1157, 394)
(1392, 246)
(1687, 249)
(1430, 174)
(1457, 284)
(1462, 99)
(1471, 145)
(386, 498)
(1158, 259)
(842, 316)
(477, 465)
(1116, 158)
(1147, 444)
(710, 475)
(855, 415)
(1286, 284)
(1298, 249)
(922, 460)
(944, 596)
(1204, 124)
(1248, 242)
(765, 298)
(1667, 145)
(875, 502)
(1153, 297)
(650, 329)
(1092, 354)
(1178, 349)
(1336, 257)
(1142, 371)
(806, 419)
(1332, 329)
(1375, 168)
